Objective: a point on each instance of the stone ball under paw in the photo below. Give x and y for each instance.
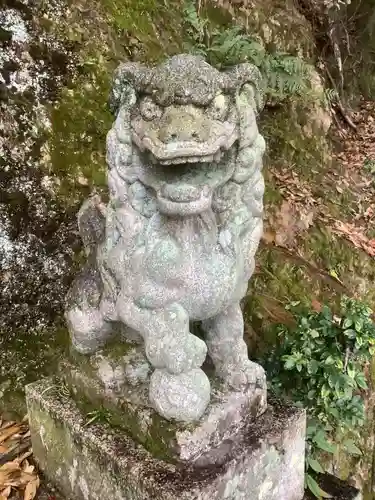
(182, 397)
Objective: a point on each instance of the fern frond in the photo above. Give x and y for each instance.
(285, 75)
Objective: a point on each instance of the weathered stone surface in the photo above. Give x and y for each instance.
(96, 462)
(117, 378)
(177, 240)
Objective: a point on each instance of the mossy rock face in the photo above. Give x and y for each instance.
(54, 105)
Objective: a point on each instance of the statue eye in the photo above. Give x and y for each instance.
(149, 110)
(218, 108)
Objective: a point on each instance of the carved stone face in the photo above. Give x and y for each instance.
(186, 150)
(185, 122)
(185, 133)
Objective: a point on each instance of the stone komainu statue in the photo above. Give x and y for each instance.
(176, 242)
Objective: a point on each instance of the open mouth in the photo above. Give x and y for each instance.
(184, 185)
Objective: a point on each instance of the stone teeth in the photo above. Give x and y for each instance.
(217, 156)
(208, 158)
(191, 159)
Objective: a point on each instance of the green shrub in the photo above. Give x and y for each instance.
(320, 366)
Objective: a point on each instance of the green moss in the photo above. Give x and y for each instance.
(80, 122)
(146, 427)
(287, 144)
(28, 357)
(143, 30)
(114, 349)
(152, 26)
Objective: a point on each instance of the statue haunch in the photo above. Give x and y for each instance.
(176, 241)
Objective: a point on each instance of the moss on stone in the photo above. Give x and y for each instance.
(80, 122)
(156, 434)
(25, 359)
(152, 28)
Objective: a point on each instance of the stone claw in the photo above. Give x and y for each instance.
(249, 374)
(177, 354)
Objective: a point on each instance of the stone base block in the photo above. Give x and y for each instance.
(117, 379)
(92, 461)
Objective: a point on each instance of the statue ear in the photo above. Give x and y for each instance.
(246, 76)
(128, 80)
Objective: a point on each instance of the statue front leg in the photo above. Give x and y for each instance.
(179, 388)
(228, 350)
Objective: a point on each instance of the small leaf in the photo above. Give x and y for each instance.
(358, 324)
(315, 488)
(311, 394)
(289, 364)
(329, 360)
(351, 447)
(323, 444)
(315, 465)
(5, 493)
(347, 323)
(361, 382)
(350, 333)
(31, 489)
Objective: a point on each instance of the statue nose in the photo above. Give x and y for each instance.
(169, 134)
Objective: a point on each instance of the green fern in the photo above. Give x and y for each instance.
(196, 26)
(329, 97)
(284, 75)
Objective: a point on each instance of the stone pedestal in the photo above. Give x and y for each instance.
(263, 459)
(117, 380)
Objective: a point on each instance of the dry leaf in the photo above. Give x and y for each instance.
(31, 489)
(29, 468)
(10, 466)
(5, 493)
(6, 425)
(25, 477)
(269, 236)
(8, 432)
(355, 236)
(316, 305)
(27, 454)
(17, 473)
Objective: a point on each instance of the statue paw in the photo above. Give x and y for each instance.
(177, 353)
(249, 374)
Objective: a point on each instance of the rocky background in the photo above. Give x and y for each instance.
(56, 61)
